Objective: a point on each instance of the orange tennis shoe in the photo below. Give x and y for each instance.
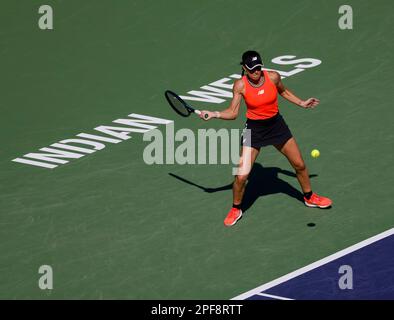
(317, 201)
(232, 217)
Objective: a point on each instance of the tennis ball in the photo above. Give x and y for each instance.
(315, 153)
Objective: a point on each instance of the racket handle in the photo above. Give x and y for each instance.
(199, 112)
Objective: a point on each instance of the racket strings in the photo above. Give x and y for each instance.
(176, 104)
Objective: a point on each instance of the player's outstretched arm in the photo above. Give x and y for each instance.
(290, 96)
(232, 111)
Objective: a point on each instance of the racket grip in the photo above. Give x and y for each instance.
(199, 112)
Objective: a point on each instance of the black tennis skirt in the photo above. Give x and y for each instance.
(272, 131)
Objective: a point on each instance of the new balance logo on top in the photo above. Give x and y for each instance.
(260, 92)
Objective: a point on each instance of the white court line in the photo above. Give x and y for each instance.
(314, 265)
(272, 296)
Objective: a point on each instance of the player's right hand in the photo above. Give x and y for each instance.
(206, 115)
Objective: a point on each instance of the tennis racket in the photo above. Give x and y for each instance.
(180, 106)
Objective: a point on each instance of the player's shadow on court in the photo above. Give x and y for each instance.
(262, 181)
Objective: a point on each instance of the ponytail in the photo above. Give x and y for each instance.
(243, 71)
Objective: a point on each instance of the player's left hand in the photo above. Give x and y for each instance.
(310, 103)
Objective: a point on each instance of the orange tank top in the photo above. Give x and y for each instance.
(261, 102)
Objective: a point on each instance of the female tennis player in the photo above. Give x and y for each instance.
(259, 88)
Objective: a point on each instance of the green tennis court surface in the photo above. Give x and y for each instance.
(113, 227)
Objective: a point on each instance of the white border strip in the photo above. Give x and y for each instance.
(273, 297)
(314, 265)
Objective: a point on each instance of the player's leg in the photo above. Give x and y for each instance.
(292, 152)
(248, 157)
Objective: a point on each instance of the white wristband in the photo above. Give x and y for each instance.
(217, 114)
